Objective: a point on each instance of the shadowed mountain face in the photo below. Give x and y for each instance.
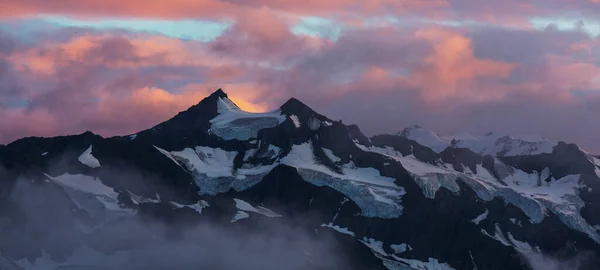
(219, 188)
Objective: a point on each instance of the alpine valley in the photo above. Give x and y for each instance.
(219, 188)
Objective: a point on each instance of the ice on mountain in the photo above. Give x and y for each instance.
(430, 178)
(338, 229)
(569, 214)
(508, 240)
(358, 193)
(213, 171)
(374, 245)
(232, 123)
(393, 262)
(132, 137)
(425, 137)
(295, 120)
(520, 245)
(527, 191)
(331, 156)
(239, 216)
(498, 236)
(249, 153)
(196, 207)
(103, 204)
(136, 199)
(376, 195)
(314, 123)
(411, 264)
(88, 159)
(545, 174)
(491, 144)
(167, 154)
(245, 206)
(43, 154)
(399, 248)
(272, 152)
(213, 162)
(594, 160)
(84, 183)
(480, 218)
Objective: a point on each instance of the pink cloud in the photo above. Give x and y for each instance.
(383, 78)
(178, 9)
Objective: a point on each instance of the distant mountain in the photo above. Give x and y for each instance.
(489, 144)
(219, 188)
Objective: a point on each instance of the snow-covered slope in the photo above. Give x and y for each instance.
(534, 193)
(234, 123)
(489, 144)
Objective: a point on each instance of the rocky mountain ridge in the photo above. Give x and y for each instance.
(386, 202)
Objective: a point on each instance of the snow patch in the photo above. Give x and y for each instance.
(374, 245)
(88, 159)
(213, 162)
(399, 248)
(338, 229)
(508, 240)
(167, 154)
(480, 218)
(91, 195)
(133, 136)
(331, 156)
(244, 206)
(407, 264)
(196, 207)
(295, 120)
(45, 153)
(136, 199)
(239, 216)
(85, 184)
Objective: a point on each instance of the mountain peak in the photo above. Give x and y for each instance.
(295, 106)
(217, 94)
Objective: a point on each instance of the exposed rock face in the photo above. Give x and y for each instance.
(335, 198)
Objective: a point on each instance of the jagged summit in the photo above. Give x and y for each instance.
(219, 93)
(295, 106)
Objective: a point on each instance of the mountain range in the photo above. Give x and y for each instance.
(216, 187)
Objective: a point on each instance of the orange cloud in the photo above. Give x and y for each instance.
(114, 51)
(451, 67)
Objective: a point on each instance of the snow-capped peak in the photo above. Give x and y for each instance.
(234, 123)
(488, 144)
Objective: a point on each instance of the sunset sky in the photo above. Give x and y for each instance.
(115, 67)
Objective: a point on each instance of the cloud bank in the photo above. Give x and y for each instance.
(448, 65)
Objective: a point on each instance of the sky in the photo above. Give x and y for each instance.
(116, 67)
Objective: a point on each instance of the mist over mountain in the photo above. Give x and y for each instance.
(216, 187)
